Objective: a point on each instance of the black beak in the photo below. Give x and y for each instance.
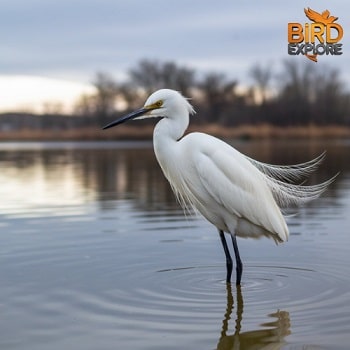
(129, 116)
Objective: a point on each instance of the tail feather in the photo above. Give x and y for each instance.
(289, 173)
(287, 195)
(281, 181)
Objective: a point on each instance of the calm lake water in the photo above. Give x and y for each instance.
(95, 253)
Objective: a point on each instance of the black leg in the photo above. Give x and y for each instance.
(239, 265)
(228, 257)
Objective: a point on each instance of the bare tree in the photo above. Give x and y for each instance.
(219, 97)
(331, 102)
(310, 93)
(296, 93)
(153, 75)
(262, 77)
(105, 98)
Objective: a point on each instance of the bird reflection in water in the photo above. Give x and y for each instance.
(271, 338)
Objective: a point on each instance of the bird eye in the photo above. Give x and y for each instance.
(159, 103)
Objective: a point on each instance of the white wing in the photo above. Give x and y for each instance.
(224, 182)
(242, 191)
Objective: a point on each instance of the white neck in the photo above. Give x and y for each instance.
(170, 128)
(166, 134)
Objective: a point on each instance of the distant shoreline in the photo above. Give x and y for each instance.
(125, 132)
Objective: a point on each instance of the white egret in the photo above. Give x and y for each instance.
(238, 195)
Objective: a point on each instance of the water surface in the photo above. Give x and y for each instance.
(95, 253)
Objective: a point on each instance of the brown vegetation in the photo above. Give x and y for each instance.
(127, 132)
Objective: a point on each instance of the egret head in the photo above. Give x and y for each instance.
(164, 103)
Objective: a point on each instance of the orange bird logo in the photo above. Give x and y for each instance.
(323, 17)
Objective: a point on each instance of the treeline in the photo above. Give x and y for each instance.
(300, 93)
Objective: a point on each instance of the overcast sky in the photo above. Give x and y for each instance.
(73, 39)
